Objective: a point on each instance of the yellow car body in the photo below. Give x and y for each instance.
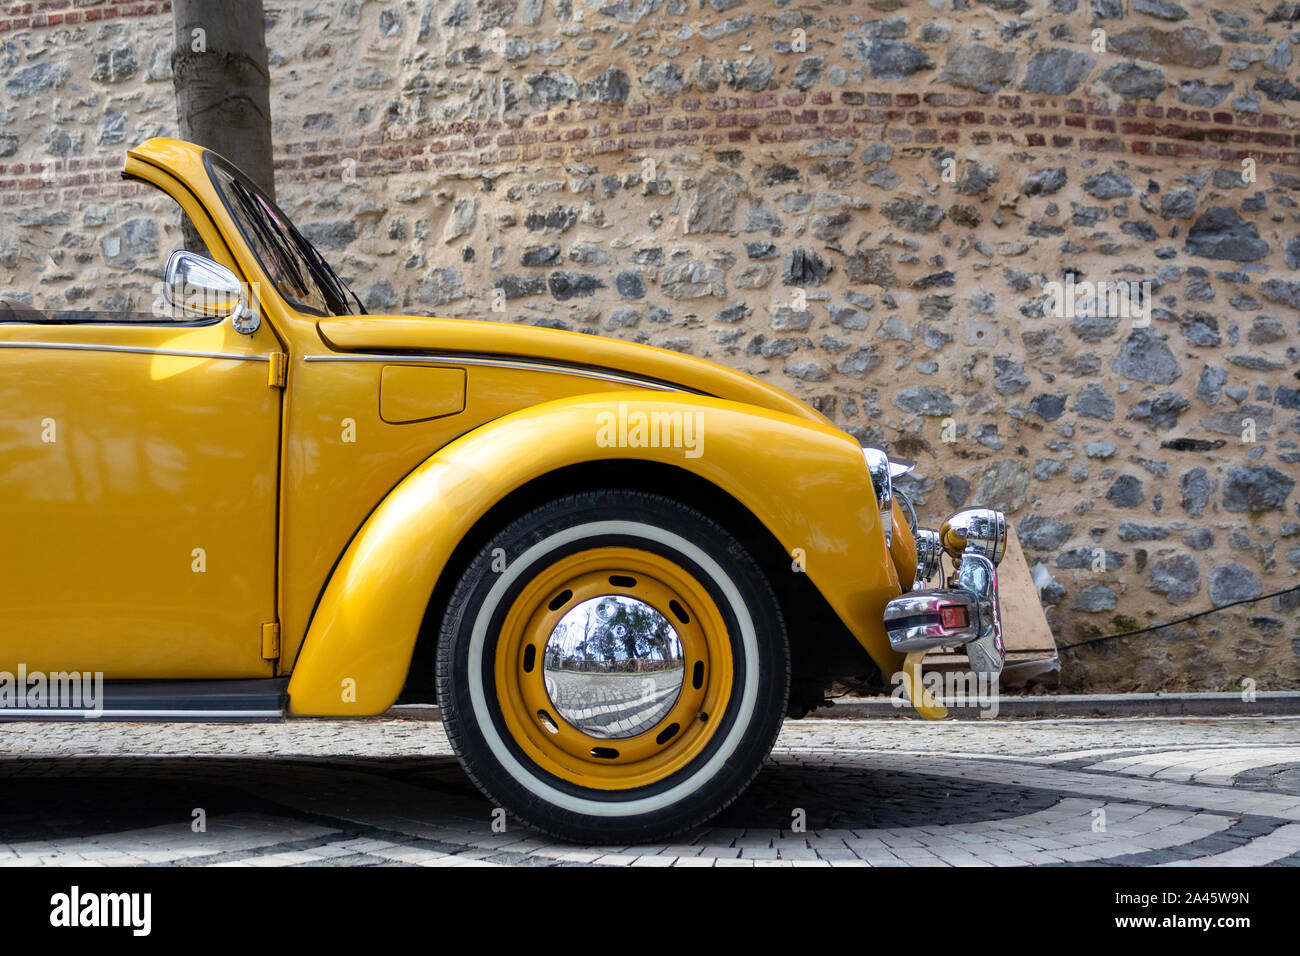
(186, 501)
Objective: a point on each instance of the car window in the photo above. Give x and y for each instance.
(114, 278)
(299, 272)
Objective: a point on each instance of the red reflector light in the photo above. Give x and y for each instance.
(953, 616)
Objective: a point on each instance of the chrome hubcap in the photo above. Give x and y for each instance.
(613, 667)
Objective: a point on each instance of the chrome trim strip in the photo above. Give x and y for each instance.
(134, 349)
(56, 713)
(453, 358)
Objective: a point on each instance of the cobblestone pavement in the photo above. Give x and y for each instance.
(1152, 791)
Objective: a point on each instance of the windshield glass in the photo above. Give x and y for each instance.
(300, 273)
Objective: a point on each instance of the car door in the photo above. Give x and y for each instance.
(139, 468)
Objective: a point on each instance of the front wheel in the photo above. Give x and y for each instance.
(613, 668)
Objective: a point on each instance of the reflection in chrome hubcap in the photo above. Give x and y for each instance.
(613, 667)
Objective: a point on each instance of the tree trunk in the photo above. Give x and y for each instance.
(223, 85)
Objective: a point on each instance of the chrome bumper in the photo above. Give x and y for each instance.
(963, 616)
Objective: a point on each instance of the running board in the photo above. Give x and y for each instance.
(256, 699)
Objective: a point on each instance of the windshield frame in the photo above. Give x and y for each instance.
(338, 297)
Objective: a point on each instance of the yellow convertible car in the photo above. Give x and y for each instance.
(615, 568)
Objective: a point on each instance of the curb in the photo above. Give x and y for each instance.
(1265, 704)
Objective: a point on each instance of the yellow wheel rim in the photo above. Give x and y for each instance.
(676, 739)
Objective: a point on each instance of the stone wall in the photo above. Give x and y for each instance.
(864, 203)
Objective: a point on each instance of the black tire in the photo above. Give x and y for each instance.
(754, 628)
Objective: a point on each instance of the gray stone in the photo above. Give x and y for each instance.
(548, 255)
(1134, 82)
(440, 286)
(1093, 402)
(1108, 185)
(629, 11)
(1233, 582)
(976, 179)
(870, 267)
(1009, 376)
(1094, 598)
(893, 59)
(1178, 204)
(1257, 488)
(112, 129)
(1200, 329)
(753, 74)
(1043, 532)
(1280, 290)
(1049, 407)
(1186, 46)
(1132, 531)
(1126, 492)
(379, 296)
(1003, 486)
(1265, 330)
(713, 206)
(114, 65)
(1056, 72)
(1160, 412)
(40, 78)
(913, 213)
(1194, 490)
(567, 285)
(806, 371)
(692, 279)
(803, 267)
(1144, 357)
(1219, 233)
(588, 253)
(956, 489)
(517, 287)
(330, 234)
(464, 213)
(808, 72)
(547, 90)
(861, 362)
(611, 85)
(629, 284)
(1199, 93)
(924, 400)
(1200, 539)
(1079, 558)
(978, 67)
(829, 226)
(785, 319)
(1044, 182)
(135, 241)
(1164, 9)
(1178, 578)
(555, 219)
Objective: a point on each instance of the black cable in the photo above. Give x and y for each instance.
(1181, 620)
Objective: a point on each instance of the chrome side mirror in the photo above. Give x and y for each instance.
(198, 287)
(878, 467)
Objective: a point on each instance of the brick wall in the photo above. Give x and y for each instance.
(864, 203)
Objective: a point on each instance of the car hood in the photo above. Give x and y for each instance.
(414, 335)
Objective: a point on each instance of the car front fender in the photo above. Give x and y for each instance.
(806, 482)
